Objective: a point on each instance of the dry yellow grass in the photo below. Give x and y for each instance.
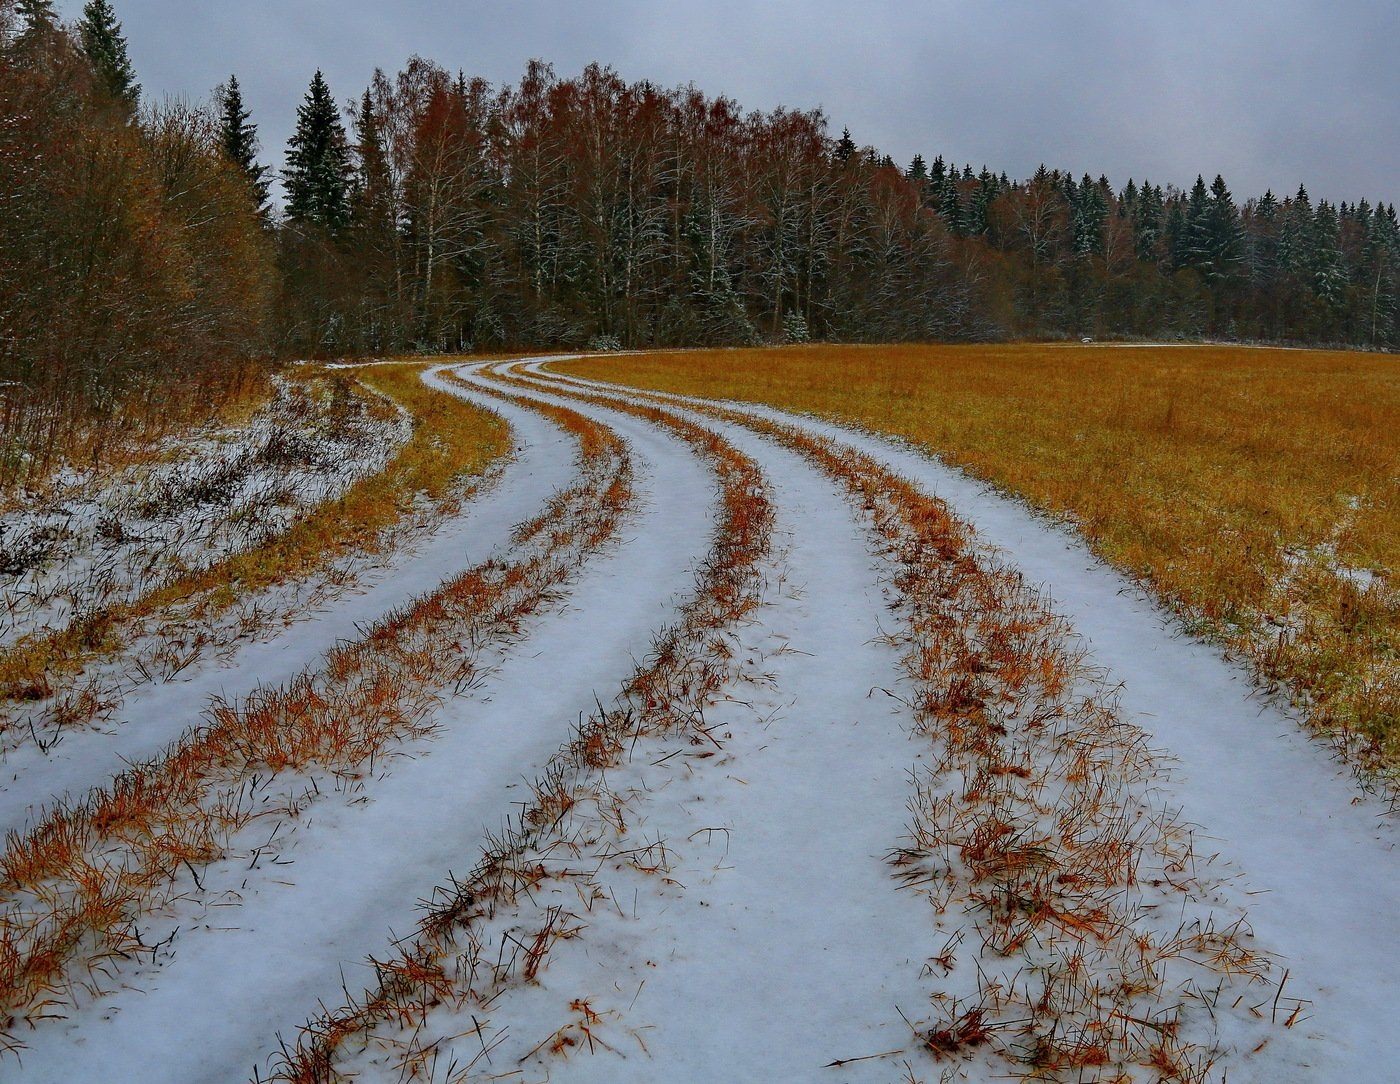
(1255, 491)
(452, 440)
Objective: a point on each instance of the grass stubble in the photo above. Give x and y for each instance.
(487, 932)
(54, 679)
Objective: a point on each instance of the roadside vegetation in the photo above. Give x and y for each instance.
(451, 445)
(86, 879)
(1254, 492)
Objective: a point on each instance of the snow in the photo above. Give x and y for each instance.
(777, 941)
(156, 714)
(773, 938)
(355, 868)
(1319, 860)
(88, 543)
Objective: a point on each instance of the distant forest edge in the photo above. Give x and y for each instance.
(142, 265)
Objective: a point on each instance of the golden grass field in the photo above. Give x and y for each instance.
(1256, 492)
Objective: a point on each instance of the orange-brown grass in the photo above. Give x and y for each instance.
(75, 885)
(1238, 484)
(666, 694)
(452, 441)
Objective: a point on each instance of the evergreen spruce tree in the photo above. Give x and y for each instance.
(1219, 241)
(1127, 199)
(1089, 209)
(918, 171)
(1176, 233)
(845, 148)
(1195, 245)
(950, 206)
(36, 13)
(105, 47)
(372, 203)
(37, 21)
(1295, 236)
(1325, 257)
(1263, 240)
(1147, 222)
(318, 163)
(240, 139)
(982, 197)
(937, 180)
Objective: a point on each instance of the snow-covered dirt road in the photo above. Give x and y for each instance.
(736, 798)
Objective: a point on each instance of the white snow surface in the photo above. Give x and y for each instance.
(1319, 858)
(351, 874)
(781, 942)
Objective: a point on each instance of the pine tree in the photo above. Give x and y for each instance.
(1089, 209)
(918, 170)
(937, 180)
(1295, 235)
(1325, 258)
(37, 21)
(105, 47)
(1127, 199)
(318, 163)
(1147, 222)
(978, 221)
(240, 139)
(1193, 245)
(950, 205)
(372, 204)
(1263, 240)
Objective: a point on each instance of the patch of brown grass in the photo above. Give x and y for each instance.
(1244, 487)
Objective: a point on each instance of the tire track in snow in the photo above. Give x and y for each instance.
(155, 716)
(357, 870)
(1320, 864)
(810, 918)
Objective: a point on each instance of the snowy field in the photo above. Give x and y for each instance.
(707, 743)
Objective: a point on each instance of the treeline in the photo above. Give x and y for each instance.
(567, 211)
(136, 279)
(140, 253)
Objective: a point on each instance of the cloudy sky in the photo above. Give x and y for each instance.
(1270, 94)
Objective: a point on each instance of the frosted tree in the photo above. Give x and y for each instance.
(318, 163)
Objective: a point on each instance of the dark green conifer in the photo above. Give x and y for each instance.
(240, 139)
(105, 48)
(318, 163)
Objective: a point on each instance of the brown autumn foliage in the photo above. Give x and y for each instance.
(135, 276)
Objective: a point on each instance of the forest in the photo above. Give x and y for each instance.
(146, 266)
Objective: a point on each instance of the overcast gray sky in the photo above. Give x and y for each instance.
(1269, 94)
